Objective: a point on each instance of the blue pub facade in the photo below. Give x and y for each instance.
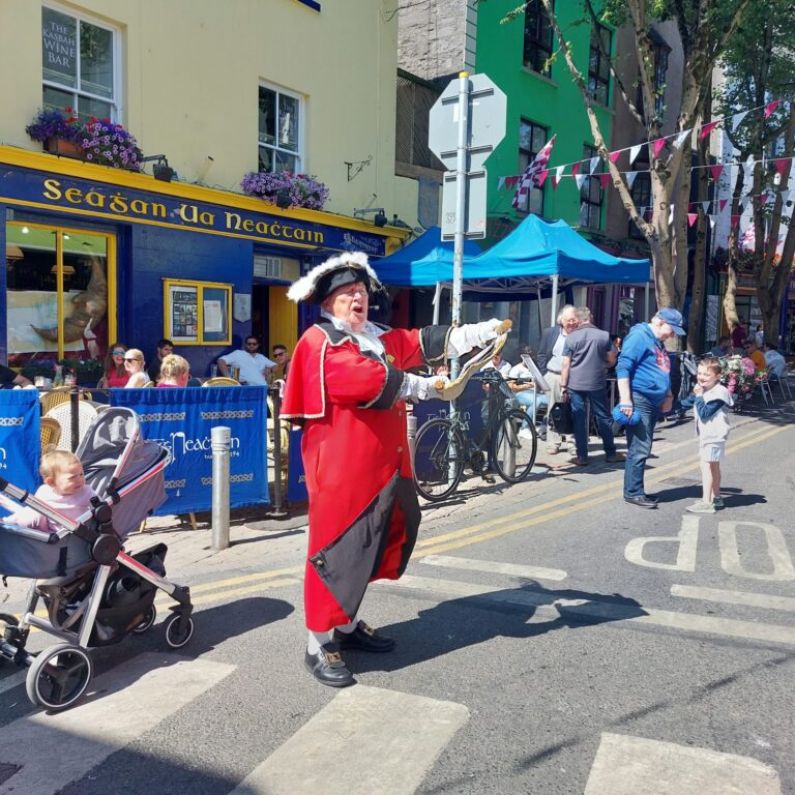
(95, 255)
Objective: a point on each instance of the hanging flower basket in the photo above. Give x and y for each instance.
(285, 189)
(56, 145)
(101, 141)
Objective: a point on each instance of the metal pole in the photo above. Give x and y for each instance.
(646, 303)
(220, 437)
(538, 311)
(553, 321)
(278, 511)
(74, 417)
(437, 299)
(460, 202)
(411, 431)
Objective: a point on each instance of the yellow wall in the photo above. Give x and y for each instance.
(191, 69)
(282, 319)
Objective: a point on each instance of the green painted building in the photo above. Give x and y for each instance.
(521, 56)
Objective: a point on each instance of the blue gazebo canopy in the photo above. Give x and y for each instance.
(537, 249)
(422, 263)
(523, 261)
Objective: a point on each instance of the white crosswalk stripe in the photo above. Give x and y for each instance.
(400, 735)
(145, 690)
(638, 766)
(495, 567)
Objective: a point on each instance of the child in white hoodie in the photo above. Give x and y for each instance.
(64, 490)
(712, 402)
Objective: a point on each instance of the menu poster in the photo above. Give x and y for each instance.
(184, 313)
(216, 314)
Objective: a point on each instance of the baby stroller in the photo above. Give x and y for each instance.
(94, 592)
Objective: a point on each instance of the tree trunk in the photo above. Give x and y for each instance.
(729, 305)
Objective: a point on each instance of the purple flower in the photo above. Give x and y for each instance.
(301, 190)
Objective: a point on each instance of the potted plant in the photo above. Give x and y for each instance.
(109, 144)
(286, 189)
(60, 131)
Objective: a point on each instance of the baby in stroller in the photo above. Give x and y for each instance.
(64, 489)
(68, 539)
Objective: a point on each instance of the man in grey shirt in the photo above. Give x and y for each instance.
(583, 379)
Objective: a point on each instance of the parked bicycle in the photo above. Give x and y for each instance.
(507, 445)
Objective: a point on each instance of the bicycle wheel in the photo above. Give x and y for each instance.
(438, 459)
(513, 446)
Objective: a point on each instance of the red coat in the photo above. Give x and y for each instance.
(363, 510)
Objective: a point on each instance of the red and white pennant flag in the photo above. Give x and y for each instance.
(532, 175)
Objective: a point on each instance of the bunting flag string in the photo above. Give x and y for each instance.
(728, 168)
(657, 145)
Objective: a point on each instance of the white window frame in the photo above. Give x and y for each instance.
(299, 153)
(116, 101)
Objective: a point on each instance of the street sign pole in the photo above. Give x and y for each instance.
(460, 203)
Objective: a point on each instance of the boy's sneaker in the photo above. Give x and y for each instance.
(701, 507)
(718, 503)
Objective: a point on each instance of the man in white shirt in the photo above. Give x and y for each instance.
(252, 365)
(499, 364)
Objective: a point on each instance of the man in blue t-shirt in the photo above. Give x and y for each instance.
(644, 384)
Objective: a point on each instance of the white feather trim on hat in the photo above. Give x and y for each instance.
(306, 285)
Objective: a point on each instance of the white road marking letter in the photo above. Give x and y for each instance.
(686, 538)
(776, 548)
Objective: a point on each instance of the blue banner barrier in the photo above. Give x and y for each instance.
(182, 419)
(296, 480)
(20, 438)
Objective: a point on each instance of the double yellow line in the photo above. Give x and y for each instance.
(546, 511)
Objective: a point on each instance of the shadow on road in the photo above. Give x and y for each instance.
(459, 623)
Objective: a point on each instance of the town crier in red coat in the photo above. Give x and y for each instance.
(348, 386)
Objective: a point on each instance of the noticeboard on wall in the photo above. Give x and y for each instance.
(197, 313)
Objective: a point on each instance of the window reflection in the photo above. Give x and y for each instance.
(43, 265)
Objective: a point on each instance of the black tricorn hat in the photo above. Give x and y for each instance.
(323, 279)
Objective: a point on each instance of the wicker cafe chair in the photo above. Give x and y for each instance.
(62, 414)
(50, 432)
(221, 380)
(284, 426)
(61, 394)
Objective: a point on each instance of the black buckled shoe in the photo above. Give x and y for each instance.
(363, 638)
(328, 667)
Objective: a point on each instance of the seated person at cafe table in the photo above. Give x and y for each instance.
(115, 374)
(134, 365)
(10, 378)
(282, 358)
(164, 348)
(174, 371)
(250, 363)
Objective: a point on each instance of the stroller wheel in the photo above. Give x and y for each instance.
(179, 630)
(59, 676)
(146, 622)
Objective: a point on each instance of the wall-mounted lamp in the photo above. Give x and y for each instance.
(379, 219)
(161, 169)
(400, 223)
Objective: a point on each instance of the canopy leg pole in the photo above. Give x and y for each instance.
(538, 310)
(554, 319)
(646, 303)
(437, 299)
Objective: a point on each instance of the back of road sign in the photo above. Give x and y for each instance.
(486, 128)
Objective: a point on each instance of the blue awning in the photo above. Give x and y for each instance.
(532, 254)
(422, 263)
(540, 249)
